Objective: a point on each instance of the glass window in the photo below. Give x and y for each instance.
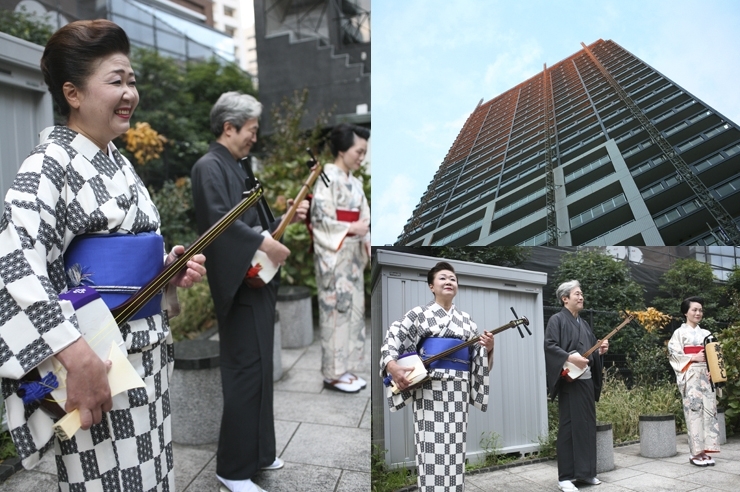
(228, 11)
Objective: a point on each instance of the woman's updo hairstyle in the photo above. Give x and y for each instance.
(686, 304)
(442, 265)
(72, 52)
(342, 137)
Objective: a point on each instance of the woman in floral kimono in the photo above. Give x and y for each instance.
(340, 218)
(686, 354)
(440, 404)
(77, 183)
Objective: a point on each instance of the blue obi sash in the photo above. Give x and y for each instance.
(116, 265)
(459, 361)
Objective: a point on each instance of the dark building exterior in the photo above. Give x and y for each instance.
(181, 29)
(319, 45)
(627, 157)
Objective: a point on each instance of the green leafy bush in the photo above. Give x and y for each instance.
(26, 26)
(174, 202)
(729, 339)
(197, 312)
(649, 363)
(622, 407)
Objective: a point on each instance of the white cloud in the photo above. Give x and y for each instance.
(392, 207)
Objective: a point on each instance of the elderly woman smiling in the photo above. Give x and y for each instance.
(75, 188)
(441, 403)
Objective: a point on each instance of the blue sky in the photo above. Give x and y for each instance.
(434, 60)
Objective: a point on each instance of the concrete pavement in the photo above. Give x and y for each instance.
(322, 435)
(632, 473)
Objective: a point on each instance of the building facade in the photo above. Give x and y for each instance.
(236, 19)
(181, 29)
(599, 149)
(322, 46)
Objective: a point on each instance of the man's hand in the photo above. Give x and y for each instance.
(87, 382)
(578, 360)
(301, 212)
(192, 274)
(604, 347)
(275, 250)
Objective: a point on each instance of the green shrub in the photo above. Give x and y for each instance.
(384, 479)
(174, 202)
(197, 313)
(729, 339)
(649, 364)
(622, 407)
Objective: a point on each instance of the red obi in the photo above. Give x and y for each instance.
(348, 216)
(692, 349)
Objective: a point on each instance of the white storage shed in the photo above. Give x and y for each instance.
(25, 104)
(517, 409)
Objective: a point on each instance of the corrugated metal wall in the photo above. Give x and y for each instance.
(25, 109)
(517, 410)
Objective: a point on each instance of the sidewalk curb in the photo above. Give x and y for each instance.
(9, 467)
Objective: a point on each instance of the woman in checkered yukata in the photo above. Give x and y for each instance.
(77, 183)
(441, 403)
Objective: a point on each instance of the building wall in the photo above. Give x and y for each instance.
(236, 18)
(25, 104)
(336, 76)
(611, 184)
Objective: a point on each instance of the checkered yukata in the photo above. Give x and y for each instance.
(441, 404)
(68, 187)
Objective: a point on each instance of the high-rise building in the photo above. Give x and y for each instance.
(599, 149)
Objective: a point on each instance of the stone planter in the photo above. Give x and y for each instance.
(195, 392)
(721, 421)
(604, 447)
(658, 436)
(296, 320)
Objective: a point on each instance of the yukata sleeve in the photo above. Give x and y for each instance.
(679, 360)
(402, 337)
(328, 232)
(479, 374)
(34, 324)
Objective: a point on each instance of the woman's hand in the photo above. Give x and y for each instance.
(698, 357)
(191, 275)
(486, 340)
(398, 374)
(359, 228)
(88, 390)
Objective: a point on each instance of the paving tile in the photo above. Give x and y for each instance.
(284, 431)
(654, 483)
(189, 462)
(710, 477)
(328, 407)
(366, 416)
(619, 474)
(298, 477)
(665, 469)
(330, 446)
(303, 380)
(30, 481)
(352, 481)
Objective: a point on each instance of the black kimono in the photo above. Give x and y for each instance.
(576, 446)
(246, 318)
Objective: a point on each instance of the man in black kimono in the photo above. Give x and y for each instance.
(246, 316)
(566, 337)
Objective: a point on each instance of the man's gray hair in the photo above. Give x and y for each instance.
(235, 108)
(565, 288)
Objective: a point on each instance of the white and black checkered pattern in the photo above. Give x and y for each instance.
(67, 187)
(441, 422)
(441, 404)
